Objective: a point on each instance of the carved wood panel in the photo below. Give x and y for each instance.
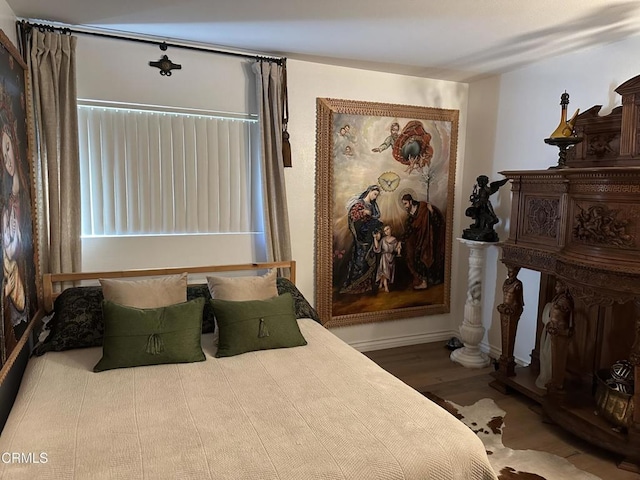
(539, 222)
(604, 233)
(542, 217)
(603, 146)
(605, 224)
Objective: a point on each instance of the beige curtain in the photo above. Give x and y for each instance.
(269, 84)
(51, 59)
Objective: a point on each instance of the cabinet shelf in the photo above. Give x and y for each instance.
(577, 414)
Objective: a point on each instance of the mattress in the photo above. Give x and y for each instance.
(321, 411)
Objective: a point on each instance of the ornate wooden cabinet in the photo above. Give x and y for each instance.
(580, 227)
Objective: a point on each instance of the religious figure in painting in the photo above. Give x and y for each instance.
(363, 217)
(424, 242)
(411, 147)
(394, 131)
(15, 221)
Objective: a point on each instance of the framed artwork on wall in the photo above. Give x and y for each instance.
(19, 300)
(384, 207)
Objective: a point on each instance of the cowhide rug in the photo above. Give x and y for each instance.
(486, 419)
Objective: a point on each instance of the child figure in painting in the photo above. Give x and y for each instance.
(388, 246)
(14, 288)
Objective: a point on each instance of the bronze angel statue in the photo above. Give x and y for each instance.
(481, 211)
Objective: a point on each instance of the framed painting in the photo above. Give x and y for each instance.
(384, 205)
(19, 301)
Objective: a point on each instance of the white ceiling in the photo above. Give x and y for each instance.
(458, 40)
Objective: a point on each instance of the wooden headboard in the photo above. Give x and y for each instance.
(50, 280)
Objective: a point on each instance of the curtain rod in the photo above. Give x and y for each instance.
(27, 25)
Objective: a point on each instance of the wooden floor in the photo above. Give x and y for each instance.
(427, 367)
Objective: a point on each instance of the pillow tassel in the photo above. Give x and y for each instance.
(155, 345)
(262, 330)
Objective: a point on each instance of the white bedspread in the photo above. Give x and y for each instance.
(322, 411)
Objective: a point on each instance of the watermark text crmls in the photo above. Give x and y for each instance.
(24, 457)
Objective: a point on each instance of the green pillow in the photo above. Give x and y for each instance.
(151, 336)
(246, 326)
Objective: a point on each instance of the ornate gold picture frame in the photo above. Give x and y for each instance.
(20, 287)
(384, 207)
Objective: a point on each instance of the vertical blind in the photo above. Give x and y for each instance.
(149, 172)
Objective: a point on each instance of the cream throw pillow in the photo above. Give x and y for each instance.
(244, 288)
(241, 289)
(147, 293)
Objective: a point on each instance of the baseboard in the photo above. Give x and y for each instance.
(492, 351)
(405, 340)
(495, 353)
(401, 341)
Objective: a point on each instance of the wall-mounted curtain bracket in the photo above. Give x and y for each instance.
(164, 64)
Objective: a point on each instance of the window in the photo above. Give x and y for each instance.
(146, 171)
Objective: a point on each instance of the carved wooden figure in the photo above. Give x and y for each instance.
(510, 311)
(560, 329)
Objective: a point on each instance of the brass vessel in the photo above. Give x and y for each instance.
(614, 406)
(565, 127)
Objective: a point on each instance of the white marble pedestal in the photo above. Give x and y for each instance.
(471, 330)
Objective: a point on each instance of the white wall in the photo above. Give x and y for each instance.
(8, 22)
(110, 69)
(525, 106)
(101, 254)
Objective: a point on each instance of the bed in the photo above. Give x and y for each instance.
(315, 411)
